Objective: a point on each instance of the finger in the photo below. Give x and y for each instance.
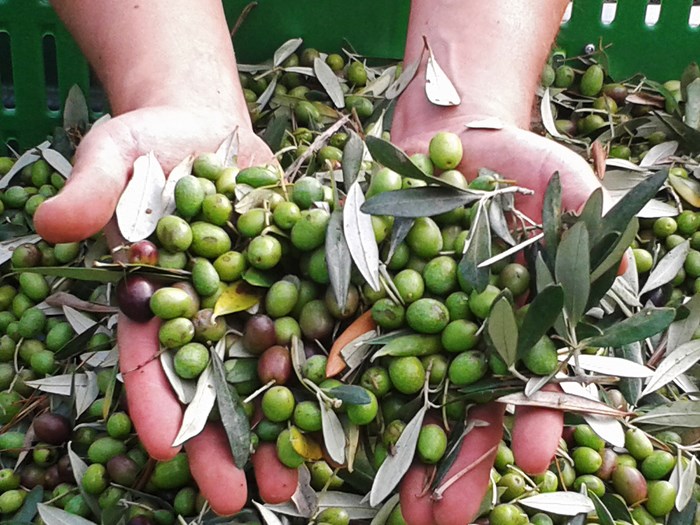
(222, 483)
(276, 483)
(461, 501)
(535, 436)
(153, 406)
(416, 505)
(87, 201)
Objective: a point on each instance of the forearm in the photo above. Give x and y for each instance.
(493, 51)
(157, 52)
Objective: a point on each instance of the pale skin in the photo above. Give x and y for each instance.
(170, 74)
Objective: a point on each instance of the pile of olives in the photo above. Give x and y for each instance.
(244, 261)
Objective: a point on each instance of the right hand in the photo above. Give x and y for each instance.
(103, 165)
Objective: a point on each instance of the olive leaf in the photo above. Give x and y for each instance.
(438, 87)
(682, 413)
(197, 412)
(356, 351)
(503, 330)
(561, 503)
(286, 50)
(305, 498)
(79, 467)
(684, 517)
(237, 297)
(547, 115)
(58, 162)
(667, 267)
(561, 401)
(412, 203)
(77, 344)
(55, 516)
(673, 365)
(613, 366)
(641, 325)
(266, 95)
(682, 330)
(75, 109)
(405, 78)
(601, 510)
(571, 269)
(592, 213)
(543, 312)
(269, 517)
(619, 216)
(380, 84)
(399, 231)
(30, 506)
(140, 205)
(613, 247)
(659, 153)
(608, 428)
(350, 394)
(510, 251)
(497, 217)
(78, 321)
(338, 258)
(298, 356)
(333, 433)
(687, 188)
(85, 394)
(10, 232)
(328, 79)
(551, 215)
(233, 416)
(385, 511)
(477, 250)
(359, 234)
(27, 158)
(352, 158)
(686, 482)
(276, 128)
(692, 105)
(616, 506)
(394, 467)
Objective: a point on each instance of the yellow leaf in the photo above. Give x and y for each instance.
(688, 189)
(304, 445)
(237, 297)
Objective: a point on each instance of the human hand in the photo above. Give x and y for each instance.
(102, 166)
(529, 160)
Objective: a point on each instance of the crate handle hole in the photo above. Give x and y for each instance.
(53, 97)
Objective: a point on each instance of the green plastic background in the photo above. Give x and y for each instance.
(375, 28)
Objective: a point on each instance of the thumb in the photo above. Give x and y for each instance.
(87, 201)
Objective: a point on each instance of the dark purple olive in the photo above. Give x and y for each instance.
(65, 469)
(32, 475)
(259, 334)
(275, 363)
(658, 296)
(123, 470)
(140, 520)
(51, 428)
(52, 477)
(133, 297)
(617, 92)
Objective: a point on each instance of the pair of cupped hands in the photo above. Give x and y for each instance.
(103, 164)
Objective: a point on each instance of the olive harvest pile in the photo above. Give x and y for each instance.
(346, 309)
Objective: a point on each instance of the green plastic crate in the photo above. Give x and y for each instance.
(39, 61)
